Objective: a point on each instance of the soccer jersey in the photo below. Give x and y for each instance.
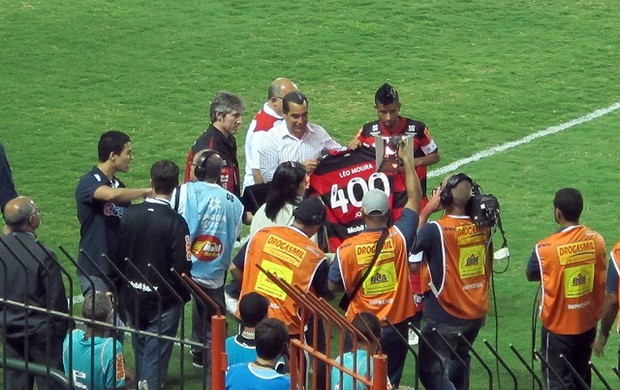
(361, 362)
(99, 222)
(341, 180)
(423, 144)
(213, 216)
(246, 376)
(240, 350)
(226, 147)
(105, 371)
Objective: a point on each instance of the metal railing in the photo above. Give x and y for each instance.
(311, 362)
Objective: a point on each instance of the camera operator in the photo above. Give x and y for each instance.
(456, 254)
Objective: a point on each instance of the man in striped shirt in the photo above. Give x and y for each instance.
(263, 121)
(294, 138)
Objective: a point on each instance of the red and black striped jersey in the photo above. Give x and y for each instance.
(341, 180)
(423, 143)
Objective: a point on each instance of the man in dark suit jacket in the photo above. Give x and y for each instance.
(29, 273)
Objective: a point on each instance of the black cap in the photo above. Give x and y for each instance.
(311, 211)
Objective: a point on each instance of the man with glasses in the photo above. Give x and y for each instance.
(35, 279)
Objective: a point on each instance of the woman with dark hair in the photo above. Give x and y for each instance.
(285, 192)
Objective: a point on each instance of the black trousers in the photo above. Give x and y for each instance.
(37, 352)
(577, 349)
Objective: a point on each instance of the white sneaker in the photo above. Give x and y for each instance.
(413, 337)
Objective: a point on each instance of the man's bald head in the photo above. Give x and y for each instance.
(276, 92)
(21, 214)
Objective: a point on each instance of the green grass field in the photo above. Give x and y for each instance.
(479, 73)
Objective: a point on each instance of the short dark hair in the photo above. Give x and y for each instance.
(165, 176)
(209, 166)
(223, 103)
(253, 308)
(368, 324)
(386, 94)
(293, 97)
(111, 141)
(271, 336)
(570, 202)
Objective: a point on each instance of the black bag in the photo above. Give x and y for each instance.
(346, 298)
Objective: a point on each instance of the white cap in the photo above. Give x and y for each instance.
(375, 202)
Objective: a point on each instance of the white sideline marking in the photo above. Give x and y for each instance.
(487, 153)
(525, 140)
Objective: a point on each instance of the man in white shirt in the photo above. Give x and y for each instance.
(264, 120)
(294, 138)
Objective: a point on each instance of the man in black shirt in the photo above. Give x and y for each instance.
(153, 233)
(226, 116)
(30, 273)
(101, 199)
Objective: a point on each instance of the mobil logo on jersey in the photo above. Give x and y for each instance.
(207, 248)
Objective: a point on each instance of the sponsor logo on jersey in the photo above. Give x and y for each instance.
(207, 248)
(576, 252)
(284, 250)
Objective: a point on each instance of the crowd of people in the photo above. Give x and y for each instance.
(323, 217)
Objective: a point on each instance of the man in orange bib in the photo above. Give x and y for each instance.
(457, 258)
(570, 265)
(610, 303)
(386, 291)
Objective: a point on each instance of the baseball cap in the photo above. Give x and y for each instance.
(310, 211)
(375, 202)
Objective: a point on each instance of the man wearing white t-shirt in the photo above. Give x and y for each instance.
(264, 120)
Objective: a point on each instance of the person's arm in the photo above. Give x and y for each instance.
(269, 157)
(432, 206)
(258, 177)
(412, 183)
(334, 282)
(532, 271)
(7, 188)
(610, 310)
(429, 148)
(120, 195)
(320, 281)
(238, 264)
(427, 160)
(51, 277)
(256, 139)
(420, 247)
(181, 257)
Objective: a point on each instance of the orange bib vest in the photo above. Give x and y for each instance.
(615, 257)
(386, 292)
(290, 255)
(463, 291)
(572, 264)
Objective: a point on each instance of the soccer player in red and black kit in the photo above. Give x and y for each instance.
(425, 153)
(389, 124)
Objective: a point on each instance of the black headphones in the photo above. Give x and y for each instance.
(200, 168)
(445, 196)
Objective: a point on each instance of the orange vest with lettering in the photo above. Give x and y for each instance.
(386, 292)
(290, 255)
(572, 266)
(463, 291)
(615, 257)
